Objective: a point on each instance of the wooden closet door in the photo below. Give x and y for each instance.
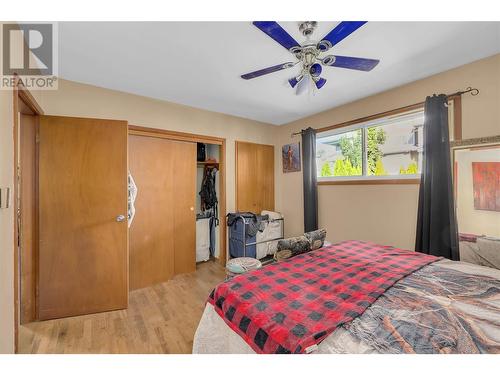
(162, 234)
(83, 252)
(254, 177)
(184, 177)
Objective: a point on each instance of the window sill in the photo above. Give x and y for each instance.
(372, 181)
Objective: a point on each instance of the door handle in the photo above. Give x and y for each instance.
(120, 218)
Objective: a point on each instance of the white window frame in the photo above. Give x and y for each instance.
(401, 178)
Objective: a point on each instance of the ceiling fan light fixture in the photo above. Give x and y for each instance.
(319, 83)
(303, 86)
(315, 70)
(293, 81)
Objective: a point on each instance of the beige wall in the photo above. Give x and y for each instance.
(469, 219)
(386, 213)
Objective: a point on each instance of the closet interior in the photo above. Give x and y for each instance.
(208, 218)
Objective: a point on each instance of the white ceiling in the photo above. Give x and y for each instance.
(199, 63)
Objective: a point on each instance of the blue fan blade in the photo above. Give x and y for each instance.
(343, 30)
(275, 31)
(356, 63)
(264, 71)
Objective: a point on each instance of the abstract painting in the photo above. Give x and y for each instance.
(290, 155)
(486, 185)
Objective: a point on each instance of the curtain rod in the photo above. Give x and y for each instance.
(472, 91)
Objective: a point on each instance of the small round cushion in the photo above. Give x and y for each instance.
(282, 255)
(316, 238)
(242, 265)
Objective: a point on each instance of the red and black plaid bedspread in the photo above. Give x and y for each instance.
(289, 306)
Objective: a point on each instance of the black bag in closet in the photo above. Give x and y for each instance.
(201, 152)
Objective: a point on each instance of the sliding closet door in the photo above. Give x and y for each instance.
(254, 177)
(184, 177)
(162, 234)
(83, 255)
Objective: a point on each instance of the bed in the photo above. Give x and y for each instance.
(388, 300)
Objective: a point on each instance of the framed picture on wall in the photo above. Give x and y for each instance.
(486, 184)
(290, 156)
(476, 180)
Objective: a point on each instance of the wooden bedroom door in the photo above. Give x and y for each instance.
(162, 234)
(83, 248)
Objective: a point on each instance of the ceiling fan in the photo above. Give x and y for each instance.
(310, 54)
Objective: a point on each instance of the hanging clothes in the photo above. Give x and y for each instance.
(208, 193)
(212, 225)
(209, 201)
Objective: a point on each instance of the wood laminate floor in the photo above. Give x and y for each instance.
(160, 319)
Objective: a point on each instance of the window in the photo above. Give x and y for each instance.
(388, 147)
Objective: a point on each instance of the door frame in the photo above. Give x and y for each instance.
(23, 102)
(194, 138)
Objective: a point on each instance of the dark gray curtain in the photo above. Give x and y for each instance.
(310, 179)
(436, 223)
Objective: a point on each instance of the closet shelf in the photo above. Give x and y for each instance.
(203, 163)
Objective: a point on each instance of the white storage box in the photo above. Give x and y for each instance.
(202, 240)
